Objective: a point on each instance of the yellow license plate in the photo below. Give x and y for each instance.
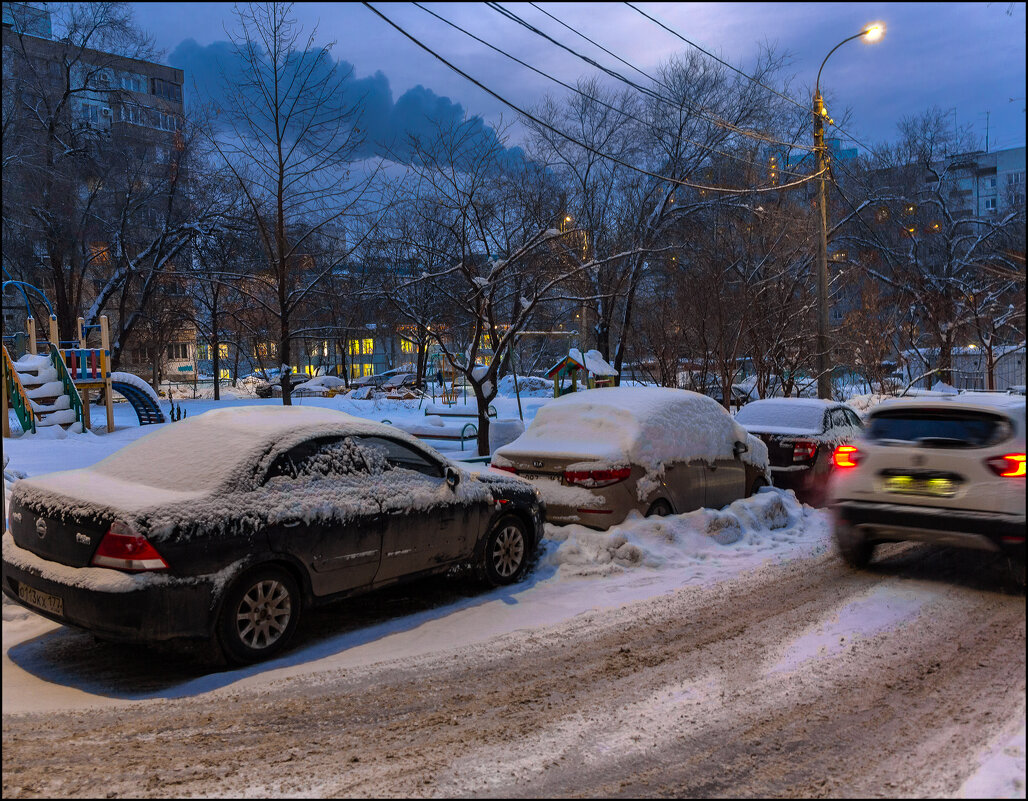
(919, 485)
(41, 600)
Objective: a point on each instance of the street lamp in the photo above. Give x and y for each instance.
(871, 33)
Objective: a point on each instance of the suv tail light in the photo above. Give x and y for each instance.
(504, 468)
(124, 549)
(591, 479)
(1009, 466)
(803, 450)
(846, 456)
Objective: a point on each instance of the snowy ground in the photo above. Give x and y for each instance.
(581, 574)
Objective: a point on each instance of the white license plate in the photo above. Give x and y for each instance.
(41, 600)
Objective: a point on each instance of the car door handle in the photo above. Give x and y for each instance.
(291, 523)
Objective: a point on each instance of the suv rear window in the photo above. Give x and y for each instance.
(936, 428)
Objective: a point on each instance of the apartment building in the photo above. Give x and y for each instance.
(111, 107)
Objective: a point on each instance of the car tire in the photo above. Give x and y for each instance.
(757, 484)
(660, 508)
(505, 553)
(258, 615)
(854, 547)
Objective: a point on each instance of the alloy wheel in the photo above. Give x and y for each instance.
(263, 614)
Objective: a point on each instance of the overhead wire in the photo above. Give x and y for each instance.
(796, 103)
(589, 97)
(702, 114)
(583, 145)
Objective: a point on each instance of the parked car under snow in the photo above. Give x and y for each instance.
(225, 527)
(599, 454)
(801, 435)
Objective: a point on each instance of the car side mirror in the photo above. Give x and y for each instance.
(452, 477)
(740, 448)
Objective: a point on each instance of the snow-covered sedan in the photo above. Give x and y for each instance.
(599, 454)
(225, 527)
(801, 434)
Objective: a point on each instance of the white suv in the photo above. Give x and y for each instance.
(948, 470)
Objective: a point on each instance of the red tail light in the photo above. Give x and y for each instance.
(846, 456)
(596, 478)
(124, 549)
(803, 450)
(504, 468)
(1009, 466)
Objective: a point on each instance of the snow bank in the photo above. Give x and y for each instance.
(502, 432)
(529, 386)
(764, 522)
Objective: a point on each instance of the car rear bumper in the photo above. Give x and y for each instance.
(119, 606)
(992, 531)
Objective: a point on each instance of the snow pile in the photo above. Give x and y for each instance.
(529, 386)
(620, 426)
(762, 523)
(502, 432)
(597, 365)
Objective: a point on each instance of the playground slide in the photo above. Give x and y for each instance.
(141, 395)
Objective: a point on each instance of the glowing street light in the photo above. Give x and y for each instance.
(871, 33)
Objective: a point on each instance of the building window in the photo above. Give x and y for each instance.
(178, 352)
(406, 346)
(167, 90)
(1015, 178)
(369, 369)
(367, 347)
(990, 204)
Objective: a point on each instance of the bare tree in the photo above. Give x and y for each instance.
(290, 145)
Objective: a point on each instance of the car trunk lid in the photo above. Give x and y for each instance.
(46, 532)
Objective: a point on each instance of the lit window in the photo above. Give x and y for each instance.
(406, 346)
(369, 369)
(353, 347)
(367, 347)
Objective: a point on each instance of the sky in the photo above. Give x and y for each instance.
(964, 57)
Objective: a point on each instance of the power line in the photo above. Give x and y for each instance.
(583, 145)
(589, 97)
(714, 120)
(796, 103)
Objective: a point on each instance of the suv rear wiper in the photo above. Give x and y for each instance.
(944, 442)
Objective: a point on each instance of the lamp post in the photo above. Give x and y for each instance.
(871, 33)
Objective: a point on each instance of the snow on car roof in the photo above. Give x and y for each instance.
(647, 426)
(785, 415)
(199, 455)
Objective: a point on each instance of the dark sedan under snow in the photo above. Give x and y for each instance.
(225, 527)
(801, 435)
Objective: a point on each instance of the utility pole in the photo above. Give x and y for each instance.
(824, 375)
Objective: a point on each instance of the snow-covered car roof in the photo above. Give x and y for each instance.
(201, 455)
(647, 426)
(972, 401)
(785, 415)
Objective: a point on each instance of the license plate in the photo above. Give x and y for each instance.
(41, 600)
(935, 487)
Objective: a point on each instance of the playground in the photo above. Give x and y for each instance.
(48, 382)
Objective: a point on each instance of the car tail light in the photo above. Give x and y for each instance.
(1009, 466)
(124, 549)
(803, 450)
(504, 468)
(596, 478)
(846, 456)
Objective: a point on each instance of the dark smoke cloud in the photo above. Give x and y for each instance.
(386, 125)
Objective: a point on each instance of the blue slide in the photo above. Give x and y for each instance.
(146, 408)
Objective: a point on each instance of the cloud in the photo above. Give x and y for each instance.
(386, 125)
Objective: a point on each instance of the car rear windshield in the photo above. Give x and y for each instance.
(939, 428)
(783, 413)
